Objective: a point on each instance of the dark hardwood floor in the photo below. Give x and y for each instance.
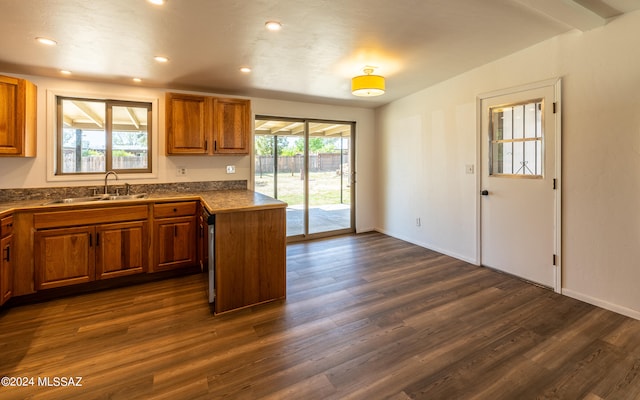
(367, 317)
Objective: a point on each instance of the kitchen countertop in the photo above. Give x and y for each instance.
(214, 201)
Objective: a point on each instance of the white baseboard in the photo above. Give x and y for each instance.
(602, 303)
(429, 246)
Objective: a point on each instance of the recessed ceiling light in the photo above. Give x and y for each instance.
(65, 72)
(48, 42)
(157, 2)
(245, 70)
(273, 25)
(137, 80)
(161, 59)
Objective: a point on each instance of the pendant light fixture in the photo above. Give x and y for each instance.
(367, 85)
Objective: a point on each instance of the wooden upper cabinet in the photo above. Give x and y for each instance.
(188, 124)
(18, 103)
(231, 126)
(207, 125)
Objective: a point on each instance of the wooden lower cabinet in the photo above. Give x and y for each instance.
(68, 256)
(175, 243)
(6, 258)
(6, 269)
(250, 258)
(175, 237)
(121, 249)
(72, 246)
(64, 257)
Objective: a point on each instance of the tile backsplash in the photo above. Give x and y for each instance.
(7, 195)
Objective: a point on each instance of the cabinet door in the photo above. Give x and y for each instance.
(17, 117)
(10, 139)
(121, 249)
(6, 270)
(175, 243)
(231, 126)
(64, 257)
(188, 123)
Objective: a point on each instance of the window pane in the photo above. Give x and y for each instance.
(502, 158)
(516, 139)
(99, 135)
(265, 166)
(533, 157)
(497, 123)
(531, 120)
(329, 189)
(518, 122)
(507, 122)
(83, 136)
(130, 138)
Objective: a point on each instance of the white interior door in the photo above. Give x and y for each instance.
(518, 184)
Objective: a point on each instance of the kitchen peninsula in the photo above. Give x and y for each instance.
(58, 245)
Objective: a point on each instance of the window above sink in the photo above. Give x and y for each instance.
(94, 136)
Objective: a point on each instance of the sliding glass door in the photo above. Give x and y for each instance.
(309, 165)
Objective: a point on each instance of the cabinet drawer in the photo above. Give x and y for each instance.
(6, 226)
(168, 210)
(90, 216)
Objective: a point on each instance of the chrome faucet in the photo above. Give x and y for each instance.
(106, 188)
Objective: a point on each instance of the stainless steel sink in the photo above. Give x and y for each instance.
(102, 197)
(126, 196)
(71, 200)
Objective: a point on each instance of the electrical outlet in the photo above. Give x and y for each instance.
(231, 169)
(181, 171)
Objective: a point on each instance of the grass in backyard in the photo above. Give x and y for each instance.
(324, 188)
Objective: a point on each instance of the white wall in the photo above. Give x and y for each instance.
(428, 138)
(34, 172)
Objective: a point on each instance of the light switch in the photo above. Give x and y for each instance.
(469, 168)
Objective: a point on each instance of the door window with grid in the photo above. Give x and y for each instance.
(516, 139)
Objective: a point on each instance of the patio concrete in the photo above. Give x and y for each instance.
(321, 218)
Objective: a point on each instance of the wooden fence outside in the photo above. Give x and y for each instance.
(322, 162)
(97, 163)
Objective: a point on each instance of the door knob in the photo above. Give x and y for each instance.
(484, 193)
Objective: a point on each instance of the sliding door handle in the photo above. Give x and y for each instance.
(484, 193)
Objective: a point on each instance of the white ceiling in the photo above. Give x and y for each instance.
(323, 43)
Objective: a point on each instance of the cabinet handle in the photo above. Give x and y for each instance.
(175, 230)
(90, 240)
(97, 239)
(175, 210)
(206, 145)
(215, 145)
(8, 251)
